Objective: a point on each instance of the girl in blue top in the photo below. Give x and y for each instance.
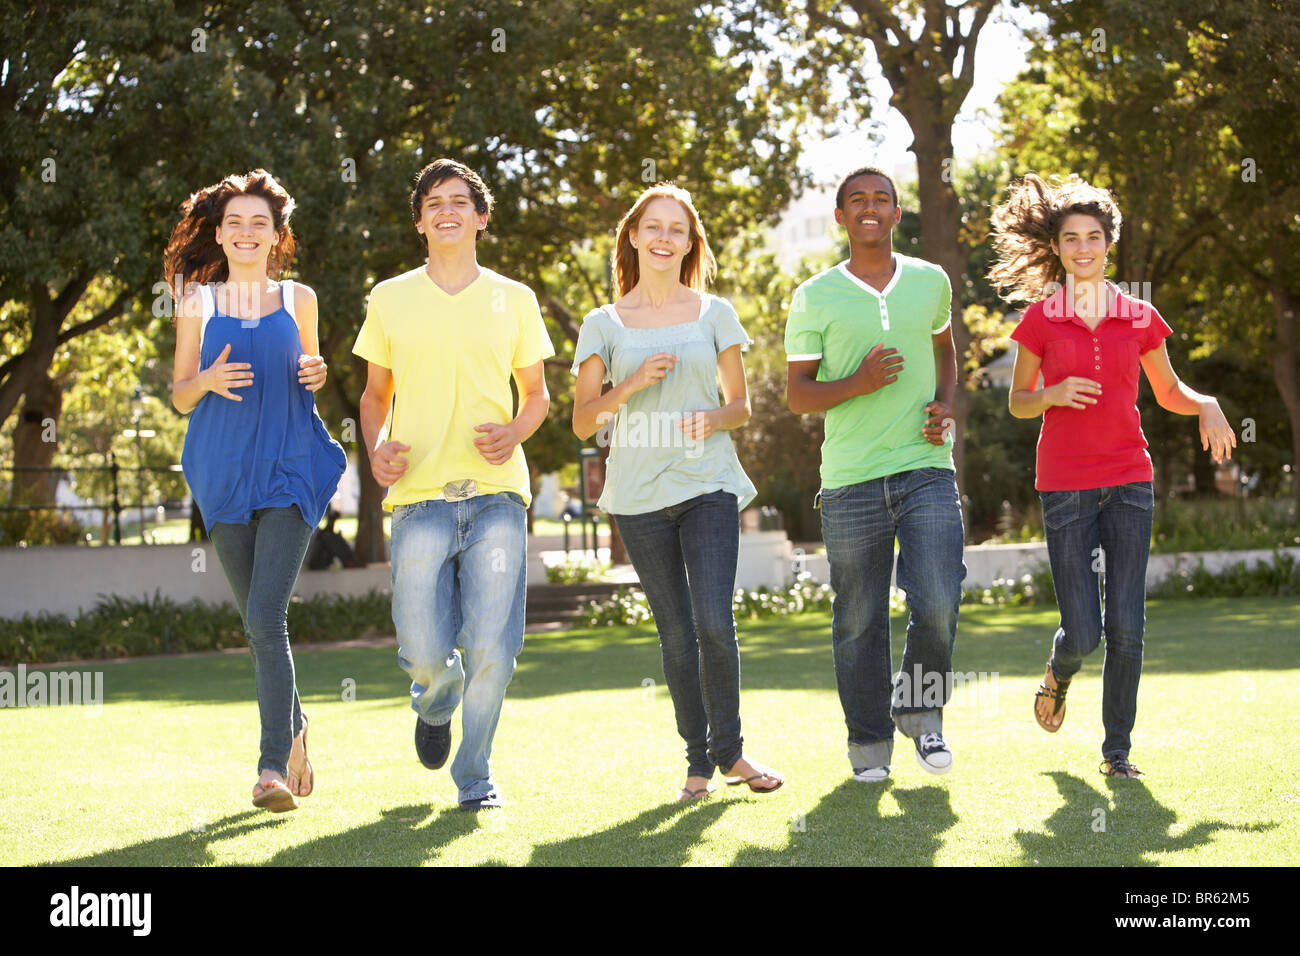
(260, 464)
(674, 485)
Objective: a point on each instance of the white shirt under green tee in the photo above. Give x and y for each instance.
(837, 318)
(651, 463)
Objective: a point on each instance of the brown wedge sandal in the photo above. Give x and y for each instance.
(1055, 694)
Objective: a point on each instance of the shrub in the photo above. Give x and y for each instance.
(629, 606)
(132, 627)
(577, 570)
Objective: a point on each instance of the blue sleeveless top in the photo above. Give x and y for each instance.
(270, 450)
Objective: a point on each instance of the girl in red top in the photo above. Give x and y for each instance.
(1088, 339)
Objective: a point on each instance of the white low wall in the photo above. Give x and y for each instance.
(987, 563)
(68, 579)
(764, 560)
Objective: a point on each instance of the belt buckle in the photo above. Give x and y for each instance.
(460, 490)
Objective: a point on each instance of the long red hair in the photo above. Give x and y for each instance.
(698, 265)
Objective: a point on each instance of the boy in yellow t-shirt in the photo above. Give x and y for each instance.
(442, 342)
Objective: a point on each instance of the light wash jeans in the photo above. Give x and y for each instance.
(458, 607)
(859, 525)
(261, 560)
(1090, 531)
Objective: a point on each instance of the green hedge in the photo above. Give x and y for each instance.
(132, 627)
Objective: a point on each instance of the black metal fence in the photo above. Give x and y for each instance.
(119, 484)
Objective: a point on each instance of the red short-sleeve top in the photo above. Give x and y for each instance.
(1101, 445)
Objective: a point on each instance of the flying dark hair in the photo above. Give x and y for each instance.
(437, 173)
(1025, 268)
(192, 256)
(864, 171)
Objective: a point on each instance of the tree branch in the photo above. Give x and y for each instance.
(103, 318)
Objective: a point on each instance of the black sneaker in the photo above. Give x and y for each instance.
(489, 801)
(432, 743)
(932, 753)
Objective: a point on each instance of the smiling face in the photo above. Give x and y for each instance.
(1082, 246)
(447, 215)
(870, 210)
(247, 231)
(663, 236)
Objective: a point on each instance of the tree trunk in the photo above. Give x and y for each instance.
(370, 546)
(1284, 369)
(940, 227)
(36, 442)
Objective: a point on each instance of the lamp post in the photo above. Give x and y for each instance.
(137, 409)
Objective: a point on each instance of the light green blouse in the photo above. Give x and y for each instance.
(651, 462)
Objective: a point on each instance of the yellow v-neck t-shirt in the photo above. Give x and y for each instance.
(451, 357)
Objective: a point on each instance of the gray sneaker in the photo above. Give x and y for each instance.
(932, 753)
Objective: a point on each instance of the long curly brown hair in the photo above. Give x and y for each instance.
(192, 256)
(698, 265)
(1025, 269)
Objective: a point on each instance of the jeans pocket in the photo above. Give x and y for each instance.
(827, 495)
(399, 513)
(1138, 494)
(1059, 507)
(516, 498)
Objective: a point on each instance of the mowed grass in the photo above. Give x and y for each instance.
(589, 761)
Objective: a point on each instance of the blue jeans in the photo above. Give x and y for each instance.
(859, 524)
(1091, 531)
(685, 557)
(261, 560)
(458, 607)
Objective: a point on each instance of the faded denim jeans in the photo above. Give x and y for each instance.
(458, 607)
(860, 523)
(261, 560)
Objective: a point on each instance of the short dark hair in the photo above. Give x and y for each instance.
(437, 173)
(865, 171)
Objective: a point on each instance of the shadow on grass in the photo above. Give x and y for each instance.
(1087, 831)
(188, 848)
(400, 838)
(644, 840)
(846, 828)
(1192, 636)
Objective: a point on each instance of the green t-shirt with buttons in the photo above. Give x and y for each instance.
(837, 319)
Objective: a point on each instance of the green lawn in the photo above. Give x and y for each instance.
(588, 758)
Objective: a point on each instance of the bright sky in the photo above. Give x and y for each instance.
(999, 57)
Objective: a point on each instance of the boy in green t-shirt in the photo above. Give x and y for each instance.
(442, 342)
(869, 342)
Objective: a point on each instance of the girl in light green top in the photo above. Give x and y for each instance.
(674, 485)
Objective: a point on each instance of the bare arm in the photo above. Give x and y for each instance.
(311, 367)
(804, 394)
(591, 409)
(939, 411)
(386, 462)
(1173, 394)
(735, 409)
(1025, 401)
(497, 442)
